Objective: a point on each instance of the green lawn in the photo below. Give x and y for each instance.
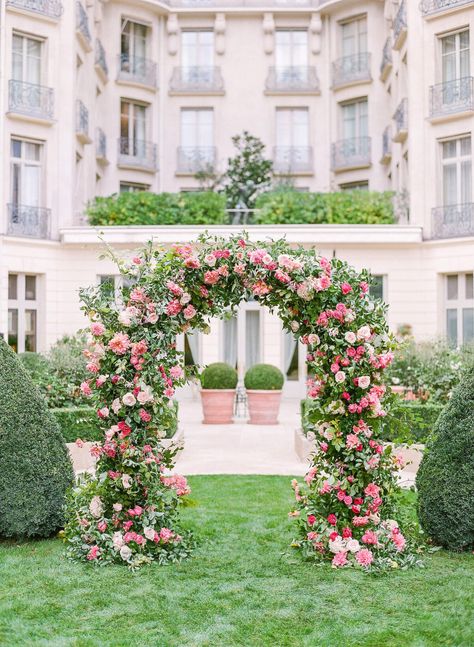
(240, 588)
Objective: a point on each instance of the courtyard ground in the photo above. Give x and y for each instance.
(242, 588)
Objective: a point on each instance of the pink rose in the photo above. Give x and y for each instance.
(176, 372)
(119, 343)
(340, 377)
(372, 490)
(189, 312)
(86, 389)
(364, 557)
(93, 553)
(346, 288)
(340, 559)
(363, 382)
(97, 329)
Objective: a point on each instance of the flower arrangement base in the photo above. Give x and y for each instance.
(217, 406)
(264, 407)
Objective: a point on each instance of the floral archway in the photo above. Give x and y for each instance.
(128, 512)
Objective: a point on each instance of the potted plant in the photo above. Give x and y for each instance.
(264, 383)
(218, 382)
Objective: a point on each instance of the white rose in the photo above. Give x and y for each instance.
(210, 259)
(125, 553)
(364, 333)
(145, 395)
(350, 337)
(124, 318)
(95, 507)
(116, 405)
(126, 481)
(129, 399)
(294, 325)
(337, 545)
(353, 545)
(149, 533)
(117, 540)
(313, 339)
(340, 377)
(267, 259)
(186, 298)
(363, 381)
(117, 507)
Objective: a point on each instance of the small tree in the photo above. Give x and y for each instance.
(248, 172)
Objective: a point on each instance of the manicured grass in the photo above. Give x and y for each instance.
(240, 589)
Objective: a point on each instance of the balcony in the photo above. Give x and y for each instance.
(401, 121)
(452, 97)
(101, 61)
(30, 222)
(48, 8)
(195, 159)
(349, 70)
(293, 160)
(82, 27)
(386, 145)
(386, 64)
(276, 4)
(137, 154)
(432, 7)
(31, 101)
(101, 146)
(82, 123)
(197, 80)
(453, 221)
(301, 79)
(137, 70)
(351, 153)
(400, 26)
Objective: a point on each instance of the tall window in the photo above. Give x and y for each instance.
(197, 49)
(354, 37)
(26, 59)
(292, 127)
(132, 128)
(22, 312)
(133, 41)
(291, 55)
(459, 291)
(457, 171)
(355, 122)
(455, 56)
(26, 173)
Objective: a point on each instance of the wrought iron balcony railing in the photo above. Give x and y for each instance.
(386, 64)
(428, 7)
(24, 220)
(351, 153)
(350, 69)
(277, 4)
(292, 79)
(452, 221)
(400, 25)
(195, 159)
(452, 96)
(82, 121)
(137, 153)
(82, 23)
(50, 8)
(135, 69)
(386, 145)
(197, 78)
(292, 160)
(401, 121)
(101, 59)
(100, 145)
(30, 99)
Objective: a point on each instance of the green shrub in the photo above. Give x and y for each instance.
(219, 376)
(445, 480)
(35, 469)
(345, 207)
(264, 377)
(144, 208)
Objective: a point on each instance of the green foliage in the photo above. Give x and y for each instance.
(78, 422)
(219, 376)
(59, 374)
(430, 369)
(248, 172)
(144, 208)
(445, 480)
(35, 469)
(264, 377)
(345, 207)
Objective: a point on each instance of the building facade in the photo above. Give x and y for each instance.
(102, 96)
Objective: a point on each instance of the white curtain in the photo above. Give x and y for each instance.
(194, 342)
(230, 340)
(252, 338)
(289, 346)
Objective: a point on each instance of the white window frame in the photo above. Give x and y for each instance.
(23, 161)
(24, 55)
(133, 36)
(457, 53)
(199, 48)
(21, 304)
(457, 160)
(293, 111)
(133, 187)
(356, 21)
(199, 128)
(131, 117)
(459, 305)
(292, 49)
(358, 117)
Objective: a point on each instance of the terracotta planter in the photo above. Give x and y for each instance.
(217, 406)
(264, 407)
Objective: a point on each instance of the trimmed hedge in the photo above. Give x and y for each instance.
(264, 377)
(82, 422)
(35, 468)
(219, 376)
(445, 479)
(412, 422)
(345, 207)
(144, 208)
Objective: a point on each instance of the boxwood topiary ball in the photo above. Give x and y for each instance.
(219, 376)
(264, 377)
